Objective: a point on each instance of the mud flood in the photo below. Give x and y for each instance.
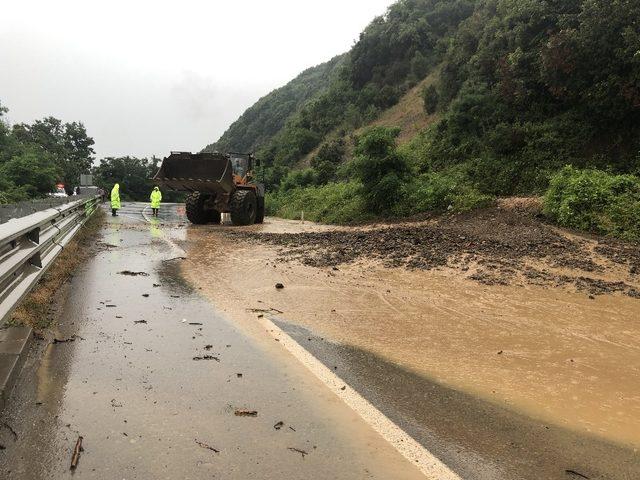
(556, 355)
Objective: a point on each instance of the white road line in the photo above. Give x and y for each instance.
(144, 215)
(428, 464)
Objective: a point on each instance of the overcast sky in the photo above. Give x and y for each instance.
(147, 77)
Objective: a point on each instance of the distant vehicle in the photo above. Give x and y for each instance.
(218, 183)
(60, 192)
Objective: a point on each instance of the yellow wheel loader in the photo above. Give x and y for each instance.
(217, 183)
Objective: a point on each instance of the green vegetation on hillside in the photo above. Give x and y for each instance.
(596, 201)
(523, 88)
(268, 115)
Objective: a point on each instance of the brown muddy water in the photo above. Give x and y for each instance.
(549, 353)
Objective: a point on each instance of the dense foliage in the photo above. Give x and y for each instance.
(529, 86)
(596, 201)
(381, 180)
(33, 158)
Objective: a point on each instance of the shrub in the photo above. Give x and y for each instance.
(430, 99)
(596, 201)
(298, 178)
(380, 168)
(332, 203)
(439, 192)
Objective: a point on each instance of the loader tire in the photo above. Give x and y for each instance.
(244, 207)
(194, 204)
(260, 211)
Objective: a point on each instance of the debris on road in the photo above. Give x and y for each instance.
(297, 450)
(208, 447)
(76, 453)
(145, 295)
(239, 375)
(140, 321)
(575, 474)
(208, 347)
(110, 305)
(207, 357)
(174, 258)
(13, 432)
(245, 413)
(133, 274)
(265, 310)
(279, 425)
(156, 285)
(195, 323)
(72, 338)
(279, 286)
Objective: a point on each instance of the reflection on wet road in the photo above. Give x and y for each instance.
(152, 377)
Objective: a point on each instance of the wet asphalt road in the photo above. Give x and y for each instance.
(152, 378)
(146, 409)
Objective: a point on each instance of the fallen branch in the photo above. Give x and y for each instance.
(297, 450)
(76, 453)
(207, 357)
(577, 474)
(246, 413)
(133, 274)
(13, 432)
(72, 338)
(208, 447)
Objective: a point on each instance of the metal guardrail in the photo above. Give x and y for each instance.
(29, 245)
(22, 209)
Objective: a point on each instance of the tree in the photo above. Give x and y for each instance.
(380, 168)
(33, 171)
(326, 162)
(430, 99)
(68, 143)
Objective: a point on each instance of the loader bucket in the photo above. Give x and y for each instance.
(196, 172)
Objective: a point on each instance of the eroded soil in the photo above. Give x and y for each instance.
(496, 246)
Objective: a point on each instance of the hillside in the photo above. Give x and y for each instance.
(489, 97)
(268, 115)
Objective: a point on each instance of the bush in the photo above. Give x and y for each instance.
(298, 178)
(380, 168)
(332, 203)
(430, 99)
(439, 192)
(596, 201)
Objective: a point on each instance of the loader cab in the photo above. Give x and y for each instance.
(242, 163)
(240, 166)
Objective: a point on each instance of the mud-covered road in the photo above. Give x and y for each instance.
(491, 342)
(161, 385)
